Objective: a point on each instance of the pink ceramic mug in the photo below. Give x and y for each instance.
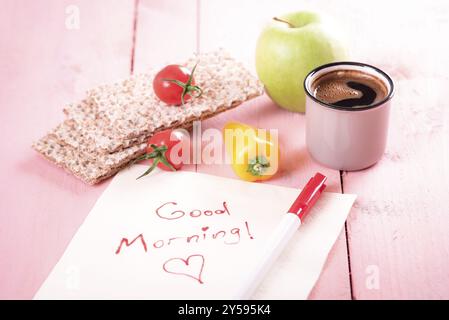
(344, 138)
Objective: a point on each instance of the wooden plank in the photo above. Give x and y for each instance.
(43, 65)
(237, 30)
(166, 34)
(399, 228)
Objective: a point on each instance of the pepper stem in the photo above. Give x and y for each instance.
(258, 166)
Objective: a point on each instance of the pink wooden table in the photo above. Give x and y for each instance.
(395, 244)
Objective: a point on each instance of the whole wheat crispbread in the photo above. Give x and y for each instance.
(116, 113)
(93, 167)
(109, 128)
(78, 137)
(84, 167)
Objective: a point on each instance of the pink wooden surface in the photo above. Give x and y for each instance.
(44, 65)
(399, 227)
(398, 230)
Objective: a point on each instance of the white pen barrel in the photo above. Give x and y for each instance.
(275, 245)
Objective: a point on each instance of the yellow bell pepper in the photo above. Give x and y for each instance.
(254, 153)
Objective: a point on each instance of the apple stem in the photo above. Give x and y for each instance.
(283, 21)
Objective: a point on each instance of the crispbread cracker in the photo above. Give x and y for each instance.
(114, 113)
(85, 168)
(109, 128)
(79, 138)
(93, 167)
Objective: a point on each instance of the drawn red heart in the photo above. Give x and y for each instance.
(191, 267)
(204, 228)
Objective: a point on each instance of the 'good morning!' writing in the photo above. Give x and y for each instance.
(172, 211)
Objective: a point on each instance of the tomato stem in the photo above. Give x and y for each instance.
(187, 87)
(158, 156)
(150, 169)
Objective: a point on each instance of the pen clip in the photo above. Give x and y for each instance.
(309, 195)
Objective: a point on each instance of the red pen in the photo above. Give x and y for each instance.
(282, 234)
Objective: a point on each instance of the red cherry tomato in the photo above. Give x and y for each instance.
(168, 138)
(160, 151)
(175, 84)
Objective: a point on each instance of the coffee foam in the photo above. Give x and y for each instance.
(333, 86)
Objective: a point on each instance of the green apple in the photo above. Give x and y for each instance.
(288, 48)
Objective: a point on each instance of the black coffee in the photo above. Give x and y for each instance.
(349, 89)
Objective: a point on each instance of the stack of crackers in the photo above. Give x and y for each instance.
(109, 129)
